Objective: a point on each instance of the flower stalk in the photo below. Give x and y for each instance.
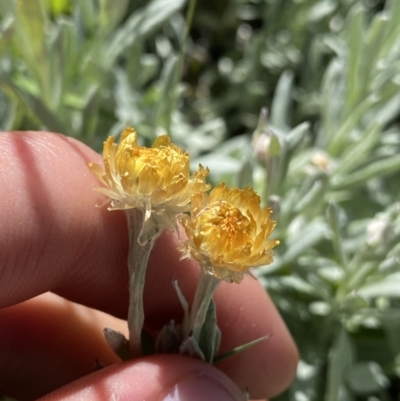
(205, 289)
(137, 263)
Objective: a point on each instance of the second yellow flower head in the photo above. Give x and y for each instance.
(228, 232)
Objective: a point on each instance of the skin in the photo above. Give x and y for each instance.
(53, 240)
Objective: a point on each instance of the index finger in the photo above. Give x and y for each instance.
(53, 238)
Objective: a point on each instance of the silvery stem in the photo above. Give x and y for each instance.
(137, 262)
(205, 289)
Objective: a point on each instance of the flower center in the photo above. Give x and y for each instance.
(223, 230)
(232, 219)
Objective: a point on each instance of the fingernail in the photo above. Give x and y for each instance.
(203, 387)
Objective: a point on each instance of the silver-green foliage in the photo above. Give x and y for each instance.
(334, 185)
(91, 73)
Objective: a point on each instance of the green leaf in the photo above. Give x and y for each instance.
(275, 147)
(340, 138)
(374, 41)
(39, 110)
(262, 123)
(355, 23)
(306, 238)
(292, 141)
(210, 337)
(297, 135)
(128, 103)
(190, 347)
(90, 112)
(334, 222)
(162, 112)
(301, 286)
(86, 12)
(149, 65)
(281, 104)
(8, 112)
(140, 25)
(359, 151)
(389, 286)
(320, 10)
(60, 6)
(245, 175)
(389, 106)
(169, 339)
(332, 99)
(273, 156)
(56, 64)
(366, 378)
(359, 274)
(375, 169)
(203, 138)
(392, 11)
(341, 357)
(218, 165)
(240, 348)
(111, 13)
(184, 305)
(31, 26)
(6, 35)
(384, 76)
(118, 343)
(311, 201)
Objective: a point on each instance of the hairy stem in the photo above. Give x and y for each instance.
(137, 263)
(205, 289)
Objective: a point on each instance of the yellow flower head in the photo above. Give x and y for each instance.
(228, 232)
(156, 179)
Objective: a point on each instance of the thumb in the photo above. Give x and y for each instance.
(154, 378)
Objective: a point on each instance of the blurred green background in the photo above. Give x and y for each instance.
(299, 99)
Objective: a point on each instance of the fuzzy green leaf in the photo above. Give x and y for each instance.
(341, 357)
(139, 25)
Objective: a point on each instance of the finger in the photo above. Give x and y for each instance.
(62, 338)
(267, 368)
(55, 239)
(59, 339)
(156, 378)
(48, 341)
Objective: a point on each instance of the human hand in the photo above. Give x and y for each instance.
(53, 238)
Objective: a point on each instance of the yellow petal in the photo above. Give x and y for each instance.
(130, 135)
(162, 141)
